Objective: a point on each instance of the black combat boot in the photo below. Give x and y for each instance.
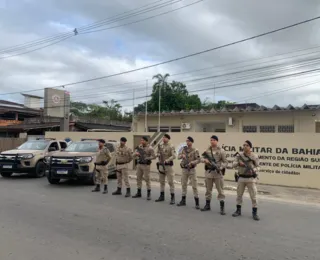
(117, 192)
(105, 189)
(172, 201)
(138, 195)
(255, 214)
(207, 206)
(182, 202)
(97, 188)
(222, 212)
(148, 194)
(128, 194)
(237, 213)
(161, 198)
(197, 203)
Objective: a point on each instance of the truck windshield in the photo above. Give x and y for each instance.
(90, 147)
(34, 145)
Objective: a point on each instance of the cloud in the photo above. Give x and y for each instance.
(202, 26)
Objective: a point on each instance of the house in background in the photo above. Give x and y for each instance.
(243, 118)
(29, 119)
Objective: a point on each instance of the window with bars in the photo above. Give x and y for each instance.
(286, 129)
(267, 129)
(249, 129)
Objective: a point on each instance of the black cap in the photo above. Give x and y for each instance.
(249, 143)
(123, 139)
(167, 136)
(101, 141)
(214, 137)
(190, 139)
(145, 138)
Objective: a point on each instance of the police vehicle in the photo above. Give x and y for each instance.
(76, 162)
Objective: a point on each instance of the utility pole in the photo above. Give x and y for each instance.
(159, 108)
(132, 127)
(146, 112)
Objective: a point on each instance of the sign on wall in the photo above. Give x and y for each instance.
(56, 103)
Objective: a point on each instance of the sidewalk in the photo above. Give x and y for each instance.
(294, 195)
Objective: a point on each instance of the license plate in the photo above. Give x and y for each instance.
(7, 166)
(62, 172)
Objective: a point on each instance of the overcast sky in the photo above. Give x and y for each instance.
(204, 25)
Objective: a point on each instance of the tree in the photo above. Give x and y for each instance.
(221, 104)
(110, 110)
(174, 96)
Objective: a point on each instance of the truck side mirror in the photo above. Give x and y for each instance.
(52, 149)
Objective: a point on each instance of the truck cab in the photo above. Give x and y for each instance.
(76, 162)
(28, 157)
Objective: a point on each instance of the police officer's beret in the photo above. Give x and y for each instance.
(214, 137)
(190, 139)
(101, 141)
(123, 139)
(145, 138)
(249, 143)
(167, 136)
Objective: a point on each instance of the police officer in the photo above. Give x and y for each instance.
(215, 161)
(101, 169)
(190, 158)
(247, 164)
(166, 152)
(123, 157)
(145, 154)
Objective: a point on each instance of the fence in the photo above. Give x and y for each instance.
(10, 143)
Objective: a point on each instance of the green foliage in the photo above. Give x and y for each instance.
(221, 104)
(109, 110)
(175, 96)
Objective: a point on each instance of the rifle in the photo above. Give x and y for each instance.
(142, 156)
(212, 161)
(161, 160)
(248, 169)
(186, 165)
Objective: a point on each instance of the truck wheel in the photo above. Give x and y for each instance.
(40, 170)
(51, 180)
(6, 174)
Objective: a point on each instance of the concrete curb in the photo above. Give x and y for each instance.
(202, 184)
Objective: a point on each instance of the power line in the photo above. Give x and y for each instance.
(109, 28)
(212, 67)
(264, 72)
(194, 54)
(55, 37)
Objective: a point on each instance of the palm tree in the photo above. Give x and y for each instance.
(161, 83)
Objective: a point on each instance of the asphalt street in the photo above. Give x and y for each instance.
(41, 221)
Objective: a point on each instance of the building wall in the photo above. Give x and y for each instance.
(285, 159)
(303, 121)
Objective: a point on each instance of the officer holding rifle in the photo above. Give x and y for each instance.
(247, 164)
(215, 163)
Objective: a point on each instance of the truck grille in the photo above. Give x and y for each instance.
(61, 162)
(9, 159)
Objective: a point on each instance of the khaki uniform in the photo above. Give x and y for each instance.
(101, 171)
(143, 170)
(123, 157)
(169, 154)
(243, 182)
(193, 157)
(213, 177)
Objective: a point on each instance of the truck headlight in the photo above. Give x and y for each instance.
(85, 159)
(26, 156)
(46, 159)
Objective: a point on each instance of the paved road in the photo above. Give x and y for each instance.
(39, 221)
